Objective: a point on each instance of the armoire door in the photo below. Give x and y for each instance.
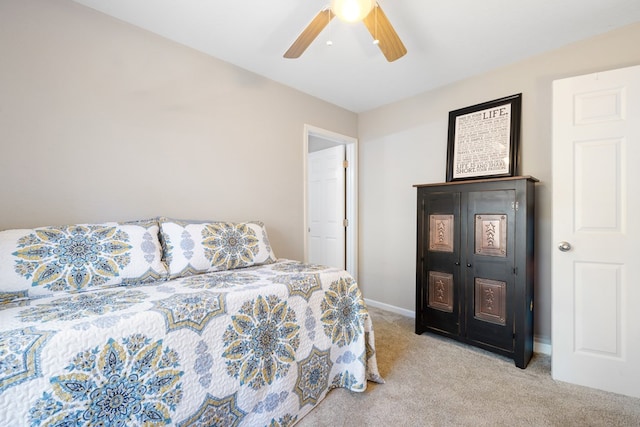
(489, 267)
(442, 289)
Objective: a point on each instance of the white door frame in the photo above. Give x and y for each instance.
(351, 181)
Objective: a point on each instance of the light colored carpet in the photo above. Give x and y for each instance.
(432, 381)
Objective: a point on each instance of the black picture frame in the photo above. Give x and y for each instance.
(484, 139)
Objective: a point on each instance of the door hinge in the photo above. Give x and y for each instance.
(345, 222)
(345, 164)
(515, 206)
(515, 271)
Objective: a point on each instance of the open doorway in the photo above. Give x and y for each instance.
(317, 140)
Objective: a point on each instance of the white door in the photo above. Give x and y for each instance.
(596, 231)
(326, 209)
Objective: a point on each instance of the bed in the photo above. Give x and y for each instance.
(193, 335)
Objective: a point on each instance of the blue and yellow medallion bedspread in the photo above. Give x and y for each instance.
(254, 346)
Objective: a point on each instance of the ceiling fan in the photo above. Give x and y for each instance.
(367, 11)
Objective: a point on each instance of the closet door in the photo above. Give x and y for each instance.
(595, 277)
(488, 266)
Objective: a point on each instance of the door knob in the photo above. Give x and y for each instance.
(564, 246)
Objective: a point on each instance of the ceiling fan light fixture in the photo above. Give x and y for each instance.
(376, 21)
(352, 10)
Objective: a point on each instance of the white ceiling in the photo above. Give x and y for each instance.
(446, 40)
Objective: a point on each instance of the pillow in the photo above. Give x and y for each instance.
(192, 247)
(76, 257)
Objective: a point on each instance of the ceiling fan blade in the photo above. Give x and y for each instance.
(381, 29)
(309, 34)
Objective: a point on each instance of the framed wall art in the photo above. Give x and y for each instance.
(483, 140)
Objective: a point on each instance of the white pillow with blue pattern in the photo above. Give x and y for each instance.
(192, 247)
(41, 261)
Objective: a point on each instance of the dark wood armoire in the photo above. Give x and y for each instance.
(475, 261)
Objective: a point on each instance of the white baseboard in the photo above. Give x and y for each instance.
(391, 308)
(539, 345)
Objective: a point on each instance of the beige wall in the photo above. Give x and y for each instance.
(103, 121)
(405, 143)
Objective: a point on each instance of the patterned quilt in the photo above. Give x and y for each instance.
(255, 346)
